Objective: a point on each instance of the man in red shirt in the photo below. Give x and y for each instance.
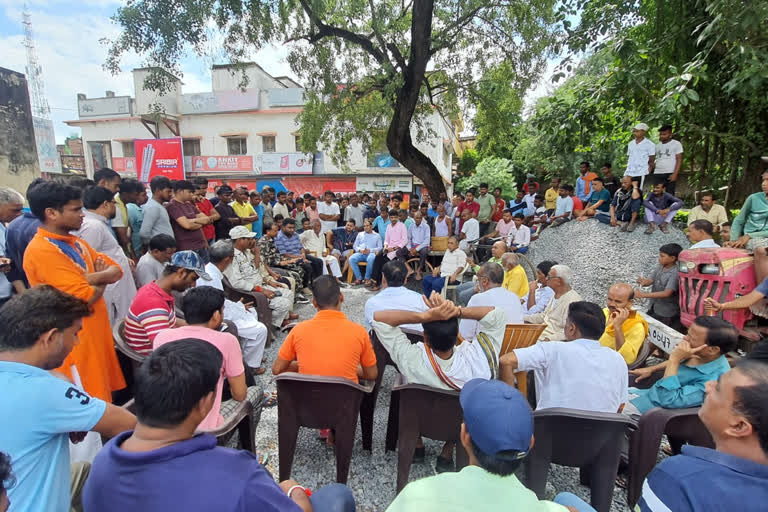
(470, 204)
(501, 205)
(154, 308)
(206, 208)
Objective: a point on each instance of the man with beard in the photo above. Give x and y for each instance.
(47, 410)
(99, 204)
(68, 263)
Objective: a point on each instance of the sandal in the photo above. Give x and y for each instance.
(269, 400)
(258, 371)
(622, 481)
(263, 458)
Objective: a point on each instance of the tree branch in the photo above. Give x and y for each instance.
(324, 30)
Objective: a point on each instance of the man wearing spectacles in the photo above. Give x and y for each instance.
(556, 313)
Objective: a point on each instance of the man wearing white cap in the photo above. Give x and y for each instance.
(243, 274)
(642, 154)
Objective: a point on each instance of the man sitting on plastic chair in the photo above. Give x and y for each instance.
(439, 362)
(453, 262)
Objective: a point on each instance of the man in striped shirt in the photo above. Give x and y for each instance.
(153, 308)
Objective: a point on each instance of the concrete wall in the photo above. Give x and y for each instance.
(145, 97)
(229, 78)
(18, 152)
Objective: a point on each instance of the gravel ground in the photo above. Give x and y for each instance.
(601, 255)
(372, 476)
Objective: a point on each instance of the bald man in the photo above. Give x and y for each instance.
(465, 291)
(625, 328)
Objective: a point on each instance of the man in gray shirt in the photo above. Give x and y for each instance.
(355, 211)
(156, 221)
(664, 303)
(151, 264)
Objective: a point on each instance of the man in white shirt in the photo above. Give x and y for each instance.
(642, 154)
(470, 231)
(700, 234)
(669, 158)
(454, 260)
(394, 295)
(314, 241)
(99, 204)
(244, 316)
(563, 207)
(519, 237)
(151, 265)
(578, 373)
(329, 212)
(439, 362)
(555, 314)
(489, 279)
(280, 208)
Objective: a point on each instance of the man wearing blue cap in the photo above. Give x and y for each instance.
(154, 308)
(498, 434)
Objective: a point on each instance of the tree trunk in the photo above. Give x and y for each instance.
(732, 175)
(399, 140)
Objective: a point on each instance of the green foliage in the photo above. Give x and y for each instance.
(468, 162)
(497, 172)
(699, 66)
(364, 62)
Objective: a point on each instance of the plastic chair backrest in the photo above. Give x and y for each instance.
(520, 336)
(642, 355)
(122, 345)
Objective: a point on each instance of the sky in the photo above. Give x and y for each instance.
(67, 38)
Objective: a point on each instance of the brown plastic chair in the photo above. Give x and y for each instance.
(680, 425)
(591, 441)
(348, 269)
(521, 336)
(413, 265)
(423, 410)
(122, 346)
(260, 302)
(317, 402)
(241, 418)
(368, 405)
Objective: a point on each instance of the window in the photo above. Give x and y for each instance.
(237, 145)
(191, 147)
(101, 154)
(128, 150)
(296, 140)
(268, 143)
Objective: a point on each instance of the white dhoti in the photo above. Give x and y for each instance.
(331, 261)
(119, 295)
(280, 306)
(252, 332)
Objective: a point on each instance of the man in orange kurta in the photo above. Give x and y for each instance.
(69, 264)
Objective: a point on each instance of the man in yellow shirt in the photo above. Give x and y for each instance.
(708, 210)
(550, 196)
(515, 279)
(243, 208)
(625, 328)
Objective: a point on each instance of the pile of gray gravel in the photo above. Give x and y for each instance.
(601, 255)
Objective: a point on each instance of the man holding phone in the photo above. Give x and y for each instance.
(11, 203)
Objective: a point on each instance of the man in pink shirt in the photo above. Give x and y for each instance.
(395, 238)
(203, 309)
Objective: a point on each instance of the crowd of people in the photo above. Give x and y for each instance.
(161, 270)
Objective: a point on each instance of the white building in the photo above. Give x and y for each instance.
(244, 137)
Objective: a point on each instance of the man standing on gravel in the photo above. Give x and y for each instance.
(669, 157)
(556, 312)
(642, 155)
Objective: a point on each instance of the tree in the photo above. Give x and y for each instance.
(375, 69)
(467, 162)
(497, 172)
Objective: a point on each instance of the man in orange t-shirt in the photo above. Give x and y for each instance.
(70, 265)
(329, 344)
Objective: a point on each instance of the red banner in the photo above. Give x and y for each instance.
(222, 164)
(123, 164)
(159, 157)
